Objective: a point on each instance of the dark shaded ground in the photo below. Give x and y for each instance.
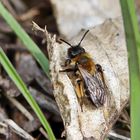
(25, 12)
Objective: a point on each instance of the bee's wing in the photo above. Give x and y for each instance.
(95, 87)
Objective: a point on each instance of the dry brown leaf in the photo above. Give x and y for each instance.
(106, 43)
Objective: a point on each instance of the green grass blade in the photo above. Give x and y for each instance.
(22, 87)
(134, 19)
(27, 41)
(133, 46)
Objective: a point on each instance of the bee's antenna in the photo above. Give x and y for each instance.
(79, 42)
(83, 37)
(66, 42)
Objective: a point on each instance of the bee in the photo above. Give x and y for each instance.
(89, 81)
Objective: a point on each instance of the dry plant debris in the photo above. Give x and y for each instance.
(106, 43)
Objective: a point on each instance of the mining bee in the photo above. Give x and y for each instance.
(89, 81)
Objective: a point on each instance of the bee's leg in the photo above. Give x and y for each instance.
(67, 62)
(100, 71)
(99, 68)
(74, 69)
(82, 93)
(67, 70)
(79, 91)
(81, 88)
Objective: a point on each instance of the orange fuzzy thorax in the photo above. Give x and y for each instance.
(86, 62)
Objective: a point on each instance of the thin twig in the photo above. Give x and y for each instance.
(21, 108)
(114, 134)
(18, 130)
(43, 132)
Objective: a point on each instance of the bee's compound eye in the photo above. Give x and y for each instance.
(75, 51)
(72, 52)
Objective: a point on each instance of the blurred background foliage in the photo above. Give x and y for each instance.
(65, 19)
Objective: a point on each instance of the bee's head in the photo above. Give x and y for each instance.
(74, 51)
